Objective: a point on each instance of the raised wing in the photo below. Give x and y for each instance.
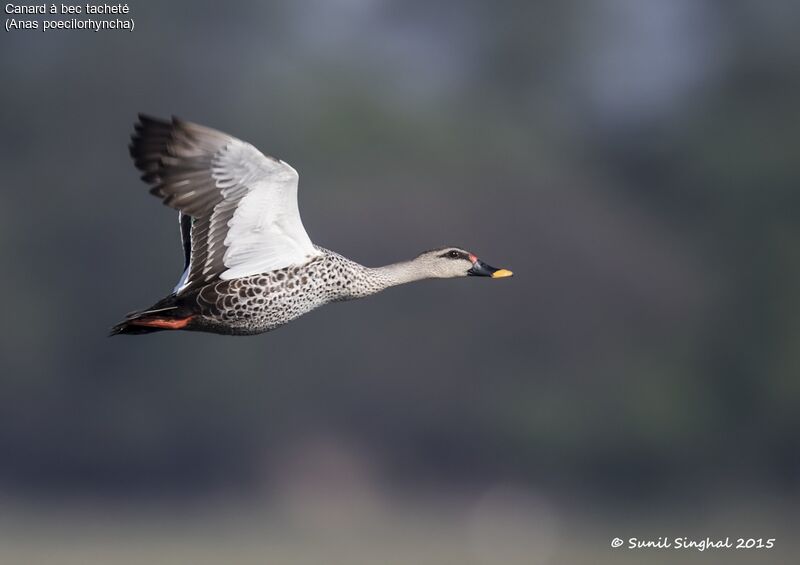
(243, 204)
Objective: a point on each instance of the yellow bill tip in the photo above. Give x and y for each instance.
(502, 273)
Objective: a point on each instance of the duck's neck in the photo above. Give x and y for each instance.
(364, 281)
(395, 274)
(368, 280)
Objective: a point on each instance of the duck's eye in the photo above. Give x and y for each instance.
(454, 254)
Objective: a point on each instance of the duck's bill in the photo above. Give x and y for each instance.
(481, 269)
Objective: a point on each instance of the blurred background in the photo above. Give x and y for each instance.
(633, 162)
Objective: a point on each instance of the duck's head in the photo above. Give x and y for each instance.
(451, 262)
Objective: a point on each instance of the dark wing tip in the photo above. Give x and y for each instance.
(149, 141)
(146, 119)
(175, 159)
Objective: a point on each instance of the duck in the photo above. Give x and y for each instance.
(249, 265)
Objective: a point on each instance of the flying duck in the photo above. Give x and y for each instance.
(250, 266)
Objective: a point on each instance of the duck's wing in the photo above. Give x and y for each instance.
(242, 203)
(185, 225)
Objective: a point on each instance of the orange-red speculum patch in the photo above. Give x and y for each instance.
(163, 323)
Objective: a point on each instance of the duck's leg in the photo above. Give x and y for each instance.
(167, 314)
(163, 323)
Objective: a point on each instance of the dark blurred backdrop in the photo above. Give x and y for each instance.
(634, 162)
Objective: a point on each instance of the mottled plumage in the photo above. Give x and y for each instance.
(262, 302)
(250, 266)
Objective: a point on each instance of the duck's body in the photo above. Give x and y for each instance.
(250, 266)
(259, 303)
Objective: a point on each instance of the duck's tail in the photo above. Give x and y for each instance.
(165, 314)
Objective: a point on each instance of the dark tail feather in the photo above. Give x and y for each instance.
(163, 315)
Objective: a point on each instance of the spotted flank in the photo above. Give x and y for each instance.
(249, 265)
